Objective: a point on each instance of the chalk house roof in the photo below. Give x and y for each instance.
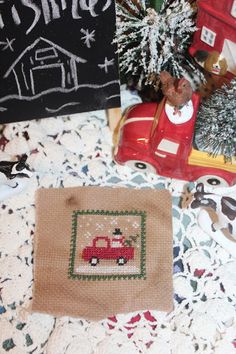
(56, 46)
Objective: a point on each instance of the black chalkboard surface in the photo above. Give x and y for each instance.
(56, 58)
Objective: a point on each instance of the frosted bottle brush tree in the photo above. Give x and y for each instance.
(216, 123)
(150, 41)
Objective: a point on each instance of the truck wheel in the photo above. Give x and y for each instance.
(140, 166)
(94, 261)
(121, 261)
(213, 181)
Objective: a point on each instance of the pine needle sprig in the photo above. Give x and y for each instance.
(134, 7)
(150, 42)
(216, 123)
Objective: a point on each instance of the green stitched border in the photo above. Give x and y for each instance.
(141, 275)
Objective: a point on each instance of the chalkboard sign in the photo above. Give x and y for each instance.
(56, 57)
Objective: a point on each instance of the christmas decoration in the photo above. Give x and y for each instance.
(212, 62)
(217, 216)
(155, 138)
(177, 91)
(215, 37)
(14, 177)
(104, 275)
(216, 123)
(150, 41)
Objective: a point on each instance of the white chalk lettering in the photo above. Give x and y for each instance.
(55, 9)
(52, 10)
(46, 11)
(15, 15)
(37, 13)
(1, 22)
(74, 12)
(63, 4)
(89, 5)
(107, 5)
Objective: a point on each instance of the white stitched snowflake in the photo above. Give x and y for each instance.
(114, 221)
(88, 37)
(135, 225)
(99, 226)
(87, 234)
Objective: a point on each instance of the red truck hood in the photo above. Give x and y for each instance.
(138, 123)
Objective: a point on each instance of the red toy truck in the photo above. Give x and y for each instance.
(94, 253)
(152, 139)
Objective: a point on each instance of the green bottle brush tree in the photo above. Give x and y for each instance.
(153, 36)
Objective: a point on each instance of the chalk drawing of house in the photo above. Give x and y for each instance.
(44, 67)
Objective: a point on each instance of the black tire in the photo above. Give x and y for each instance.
(121, 261)
(94, 261)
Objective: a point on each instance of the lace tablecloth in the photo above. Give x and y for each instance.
(76, 151)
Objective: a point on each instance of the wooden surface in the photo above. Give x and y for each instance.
(113, 117)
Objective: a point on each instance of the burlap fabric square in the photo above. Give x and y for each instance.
(102, 251)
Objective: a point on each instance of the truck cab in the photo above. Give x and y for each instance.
(171, 137)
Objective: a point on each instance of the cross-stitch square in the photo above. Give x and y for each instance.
(102, 251)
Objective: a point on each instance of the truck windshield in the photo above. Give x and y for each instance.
(168, 146)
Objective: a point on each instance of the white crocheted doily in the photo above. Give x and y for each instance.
(76, 151)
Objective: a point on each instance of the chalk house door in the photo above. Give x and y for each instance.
(49, 78)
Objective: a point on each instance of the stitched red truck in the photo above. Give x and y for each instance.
(94, 253)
